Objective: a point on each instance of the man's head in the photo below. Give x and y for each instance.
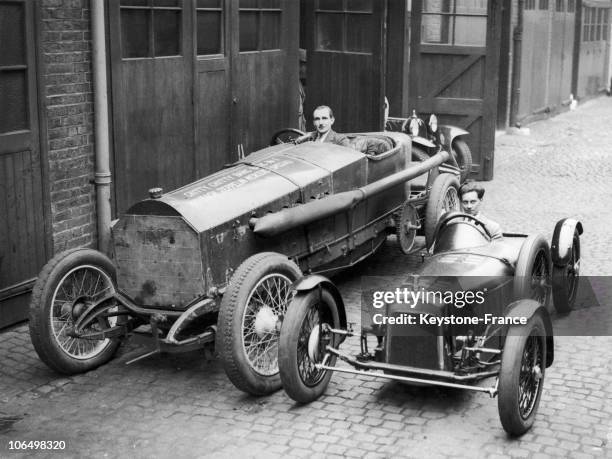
(323, 119)
(471, 195)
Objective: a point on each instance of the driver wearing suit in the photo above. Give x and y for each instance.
(323, 119)
(471, 195)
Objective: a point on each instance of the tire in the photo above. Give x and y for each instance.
(463, 155)
(264, 275)
(301, 380)
(522, 375)
(54, 299)
(532, 273)
(405, 228)
(444, 197)
(565, 279)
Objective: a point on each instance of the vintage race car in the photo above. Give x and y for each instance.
(215, 260)
(437, 339)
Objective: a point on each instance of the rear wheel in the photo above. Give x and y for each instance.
(565, 279)
(250, 318)
(522, 375)
(302, 344)
(68, 284)
(532, 273)
(463, 156)
(443, 198)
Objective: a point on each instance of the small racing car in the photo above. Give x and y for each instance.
(215, 259)
(504, 333)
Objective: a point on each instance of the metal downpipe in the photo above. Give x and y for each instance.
(516, 65)
(102, 177)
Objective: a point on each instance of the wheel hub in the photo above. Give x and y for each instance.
(78, 307)
(537, 372)
(266, 321)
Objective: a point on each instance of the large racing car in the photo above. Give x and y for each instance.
(477, 308)
(215, 260)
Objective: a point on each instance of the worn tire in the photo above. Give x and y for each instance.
(520, 382)
(444, 197)
(302, 382)
(45, 304)
(244, 371)
(565, 279)
(463, 156)
(533, 267)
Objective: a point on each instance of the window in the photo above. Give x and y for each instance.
(150, 28)
(344, 25)
(559, 6)
(260, 24)
(530, 5)
(13, 69)
(571, 6)
(209, 27)
(543, 4)
(454, 22)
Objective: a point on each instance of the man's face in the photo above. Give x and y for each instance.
(322, 120)
(470, 204)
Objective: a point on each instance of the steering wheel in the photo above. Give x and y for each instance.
(287, 135)
(478, 224)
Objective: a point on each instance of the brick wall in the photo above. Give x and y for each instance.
(67, 99)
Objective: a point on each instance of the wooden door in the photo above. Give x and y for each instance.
(22, 229)
(453, 71)
(345, 43)
(264, 71)
(152, 84)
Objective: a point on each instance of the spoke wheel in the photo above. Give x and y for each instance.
(406, 227)
(565, 279)
(302, 344)
(532, 275)
(250, 318)
(522, 375)
(66, 287)
(443, 198)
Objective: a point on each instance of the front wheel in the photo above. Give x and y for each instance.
(250, 318)
(522, 375)
(302, 344)
(67, 285)
(565, 279)
(443, 198)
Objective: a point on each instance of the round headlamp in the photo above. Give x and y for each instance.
(433, 123)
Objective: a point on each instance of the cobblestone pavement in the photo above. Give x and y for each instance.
(183, 405)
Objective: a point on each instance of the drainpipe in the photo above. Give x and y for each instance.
(516, 65)
(102, 174)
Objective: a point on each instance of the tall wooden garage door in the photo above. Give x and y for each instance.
(345, 43)
(195, 83)
(453, 71)
(22, 229)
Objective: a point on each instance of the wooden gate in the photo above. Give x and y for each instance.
(453, 71)
(345, 43)
(22, 229)
(194, 83)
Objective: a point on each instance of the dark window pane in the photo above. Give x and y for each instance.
(248, 31)
(571, 6)
(543, 4)
(270, 30)
(12, 37)
(166, 2)
(330, 5)
(167, 32)
(135, 2)
(248, 4)
(269, 4)
(559, 5)
(470, 31)
(135, 33)
(359, 5)
(14, 101)
(329, 31)
(209, 32)
(359, 35)
(209, 3)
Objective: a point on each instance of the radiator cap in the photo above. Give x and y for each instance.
(156, 193)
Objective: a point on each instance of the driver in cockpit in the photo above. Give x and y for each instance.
(471, 195)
